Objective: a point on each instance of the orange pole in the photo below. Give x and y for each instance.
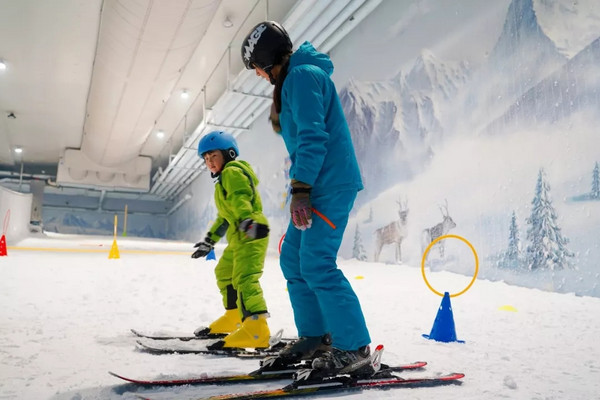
(324, 218)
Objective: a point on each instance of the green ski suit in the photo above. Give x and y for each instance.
(241, 265)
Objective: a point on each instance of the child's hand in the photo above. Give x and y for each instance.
(253, 229)
(204, 247)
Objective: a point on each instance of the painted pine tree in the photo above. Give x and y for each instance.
(512, 257)
(547, 246)
(358, 251)
(596, 182)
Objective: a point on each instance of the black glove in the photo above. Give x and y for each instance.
(204, 247)
(253, 229)
(300, 206)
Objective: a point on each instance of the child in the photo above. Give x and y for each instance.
(240, 218)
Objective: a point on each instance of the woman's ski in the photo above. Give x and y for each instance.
(340, 384)
(255, 376)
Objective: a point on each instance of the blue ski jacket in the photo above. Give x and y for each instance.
(314, 127)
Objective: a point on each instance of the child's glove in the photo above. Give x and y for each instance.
(253, 229)
(300, 206)
(204, 247)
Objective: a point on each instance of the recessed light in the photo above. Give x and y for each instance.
(184, 94)
(2, 65)
(227, 23)
(18, 150)
(160, 134)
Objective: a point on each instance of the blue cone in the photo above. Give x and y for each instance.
(211, 255)
(443, 327)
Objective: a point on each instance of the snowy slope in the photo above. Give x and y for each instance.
(65, 320)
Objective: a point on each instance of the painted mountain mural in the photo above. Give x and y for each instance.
(461, 128)
(398, 125)
(573, 88)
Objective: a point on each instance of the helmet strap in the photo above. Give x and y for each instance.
(228, 155)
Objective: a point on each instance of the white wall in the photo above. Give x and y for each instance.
(15, 212)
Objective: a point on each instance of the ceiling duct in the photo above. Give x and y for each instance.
(244, 98)
(142, 49)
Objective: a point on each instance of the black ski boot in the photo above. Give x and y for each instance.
(301, 350)
(356, 363)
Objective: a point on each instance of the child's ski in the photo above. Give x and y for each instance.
(173, 336)
(191, 348)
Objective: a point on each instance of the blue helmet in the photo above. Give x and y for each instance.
(219, 140)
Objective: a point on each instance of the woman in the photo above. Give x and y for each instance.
(325, 177)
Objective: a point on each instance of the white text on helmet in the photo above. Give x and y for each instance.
(253, 39)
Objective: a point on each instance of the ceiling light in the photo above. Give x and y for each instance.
(18, 150)
(2, 65)
(160, 134)
(227, 23)
(184, 94)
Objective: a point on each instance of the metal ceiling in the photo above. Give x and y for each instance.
(92, 82)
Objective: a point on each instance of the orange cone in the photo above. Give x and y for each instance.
(3, 246)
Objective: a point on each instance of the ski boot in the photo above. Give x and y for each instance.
(356, 363)
(254, 333)
(298, 351)
(224, 325)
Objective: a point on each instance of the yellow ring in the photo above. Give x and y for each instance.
(425, 257)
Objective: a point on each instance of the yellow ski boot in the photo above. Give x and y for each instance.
(254, 333)
(227, 323)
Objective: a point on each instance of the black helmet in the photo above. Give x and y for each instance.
(265, 46)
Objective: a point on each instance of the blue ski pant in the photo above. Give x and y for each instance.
(322, 298)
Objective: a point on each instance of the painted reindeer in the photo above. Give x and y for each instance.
(394, 232)
(441, 229)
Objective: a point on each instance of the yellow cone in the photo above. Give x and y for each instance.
(114, 250)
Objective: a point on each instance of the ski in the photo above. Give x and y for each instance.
(255, 376)
(202, 335)
(189, 348)
(337, 384)
(182, 337)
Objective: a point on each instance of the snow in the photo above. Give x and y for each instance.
(66, 315)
